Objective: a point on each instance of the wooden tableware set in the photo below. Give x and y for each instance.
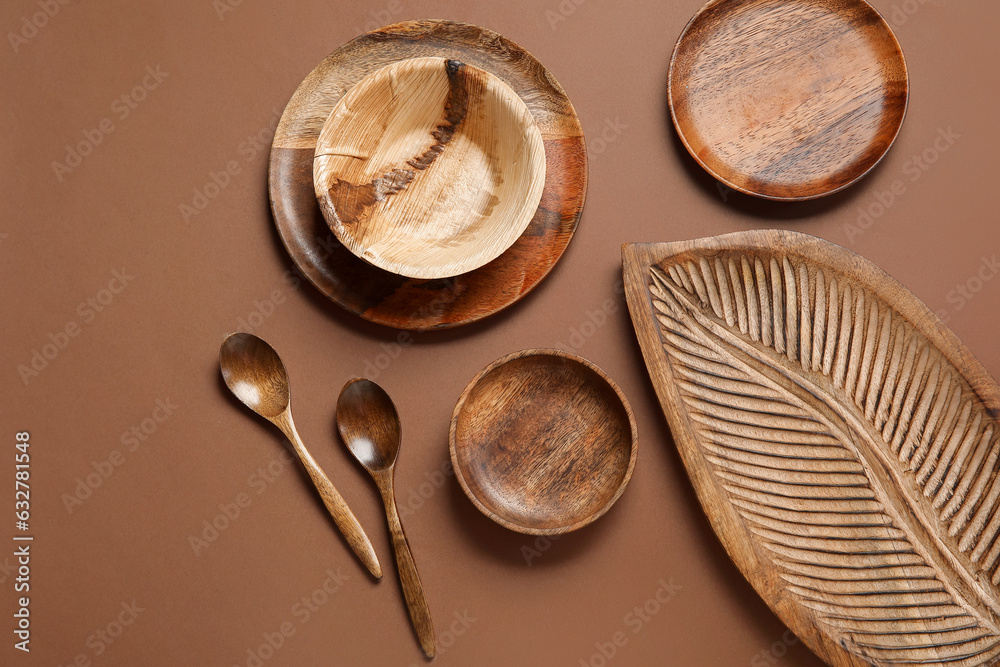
(841, 439)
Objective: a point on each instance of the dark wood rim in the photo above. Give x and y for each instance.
(534, 352)
(396, 301)
(715, 7)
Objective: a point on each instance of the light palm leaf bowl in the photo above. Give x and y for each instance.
(429, 168)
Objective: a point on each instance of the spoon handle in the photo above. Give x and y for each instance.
(413, 591)
(341, 513)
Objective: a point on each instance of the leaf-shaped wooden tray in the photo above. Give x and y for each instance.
(841, 439)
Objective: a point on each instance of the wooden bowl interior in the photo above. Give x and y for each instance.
(542, 443)
(788, 100)
(429, 168)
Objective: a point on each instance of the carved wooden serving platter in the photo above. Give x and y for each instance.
(841, 439)
(411, 303)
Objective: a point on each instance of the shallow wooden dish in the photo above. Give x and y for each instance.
(412, 303)
(543, 442)
(843, 442)
(429, 168)
(787, 99)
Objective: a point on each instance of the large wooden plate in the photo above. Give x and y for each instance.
(787, 99)
(393, 300)
(841, 439)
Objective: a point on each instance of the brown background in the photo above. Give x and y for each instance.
(226, 77)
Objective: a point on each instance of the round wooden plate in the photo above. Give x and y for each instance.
(543, 442)
(429, 168)
(397, 301)
(787, 99)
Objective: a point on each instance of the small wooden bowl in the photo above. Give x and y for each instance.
(787, 99)
(429, 168)
(543, 442)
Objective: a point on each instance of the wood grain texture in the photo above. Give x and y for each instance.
(841, 439)
(369, 425)
(409, 578)
(429, 168)
(394, 300)
(254, 372)
(787, 99)
(543, 442)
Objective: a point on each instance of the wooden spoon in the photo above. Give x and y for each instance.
(369, 426)
(254, 373)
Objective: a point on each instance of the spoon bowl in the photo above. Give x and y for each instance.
(254, 373)
(369, 424)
